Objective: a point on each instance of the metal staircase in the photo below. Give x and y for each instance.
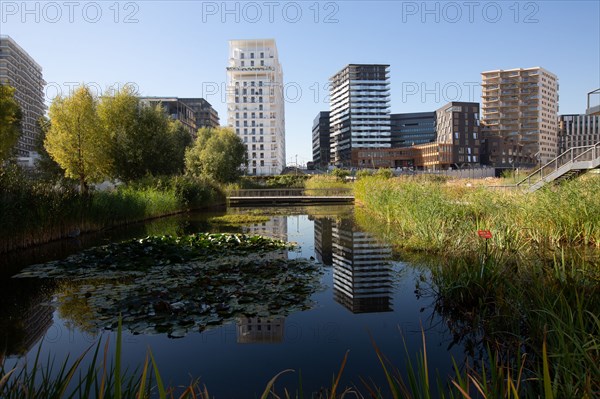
(571, 163)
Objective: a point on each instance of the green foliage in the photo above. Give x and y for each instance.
(77, 140)
(217, 153)
(144, 141)
(341, 174)
(364, 173)
(238, 219)
(36, 211)
(385, 173)
(10, 121)
(47, 169)
(320, 182)
(287, 181)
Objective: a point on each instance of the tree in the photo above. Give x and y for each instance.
(76, 139)
(216, 153)
(181, 140)
(10, 121)
(143, 141)
(47, 168)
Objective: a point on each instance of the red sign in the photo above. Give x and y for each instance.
(484, 234)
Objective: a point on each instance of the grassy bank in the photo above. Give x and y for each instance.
(528, 306)
(34, 212)
(444, 217)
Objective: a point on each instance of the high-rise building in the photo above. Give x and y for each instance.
(359, 110)
(255, 103)
(19, 70)
(410, 129)
(578, 131)
(521, 104)
(205, 114)
(458, 131)
(320, 139)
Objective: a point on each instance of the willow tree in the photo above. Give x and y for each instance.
(10, 121)
(76, 139)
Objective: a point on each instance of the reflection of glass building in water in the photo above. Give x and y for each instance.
(362, 280)
(323, 241)
(257, 330)
(24, 321)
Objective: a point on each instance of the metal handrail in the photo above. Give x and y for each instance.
(567, 157)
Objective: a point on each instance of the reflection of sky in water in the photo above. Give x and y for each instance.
(365, 294)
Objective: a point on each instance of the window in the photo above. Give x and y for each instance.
(242, 63)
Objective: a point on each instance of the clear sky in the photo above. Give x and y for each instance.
(436, 50)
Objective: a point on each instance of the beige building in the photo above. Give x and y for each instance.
(19, 70)
(255, 103)
(522, 104)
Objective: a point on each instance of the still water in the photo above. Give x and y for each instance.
(364, 295)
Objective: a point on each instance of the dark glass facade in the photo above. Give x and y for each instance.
(410, 129)
(320, 139)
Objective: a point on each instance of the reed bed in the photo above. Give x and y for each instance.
(33, 212)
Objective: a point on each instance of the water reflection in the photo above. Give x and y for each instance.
(25, 315)
(257, 330)
(362, 269)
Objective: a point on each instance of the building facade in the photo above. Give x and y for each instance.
(410, 129)
(578, 131)
(320, 139)
(255, 103)
(204, 113)
(458, 131)
(176, 109)
(522, 104)
(19, 70)
(359, 110)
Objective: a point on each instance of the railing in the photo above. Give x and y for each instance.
(291, 192)
(574, 154)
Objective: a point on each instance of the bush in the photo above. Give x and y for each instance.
(341, 174)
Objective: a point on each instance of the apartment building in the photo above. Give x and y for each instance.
(204, 113)
(578, 131)
(359, 110)
(255, 103)
(320, 139)
(19, 70)
(522, 105)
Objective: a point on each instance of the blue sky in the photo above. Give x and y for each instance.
(436, 50)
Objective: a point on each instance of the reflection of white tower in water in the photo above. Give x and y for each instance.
(254, 330)
(276, 227)
(362, 280)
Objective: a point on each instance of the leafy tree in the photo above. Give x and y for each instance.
(10, 121)
(76, 139)
(143, 139)
(341, 174)
(47, 168)
(216, 153)
(181, 140)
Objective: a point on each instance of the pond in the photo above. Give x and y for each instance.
(338, 290)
